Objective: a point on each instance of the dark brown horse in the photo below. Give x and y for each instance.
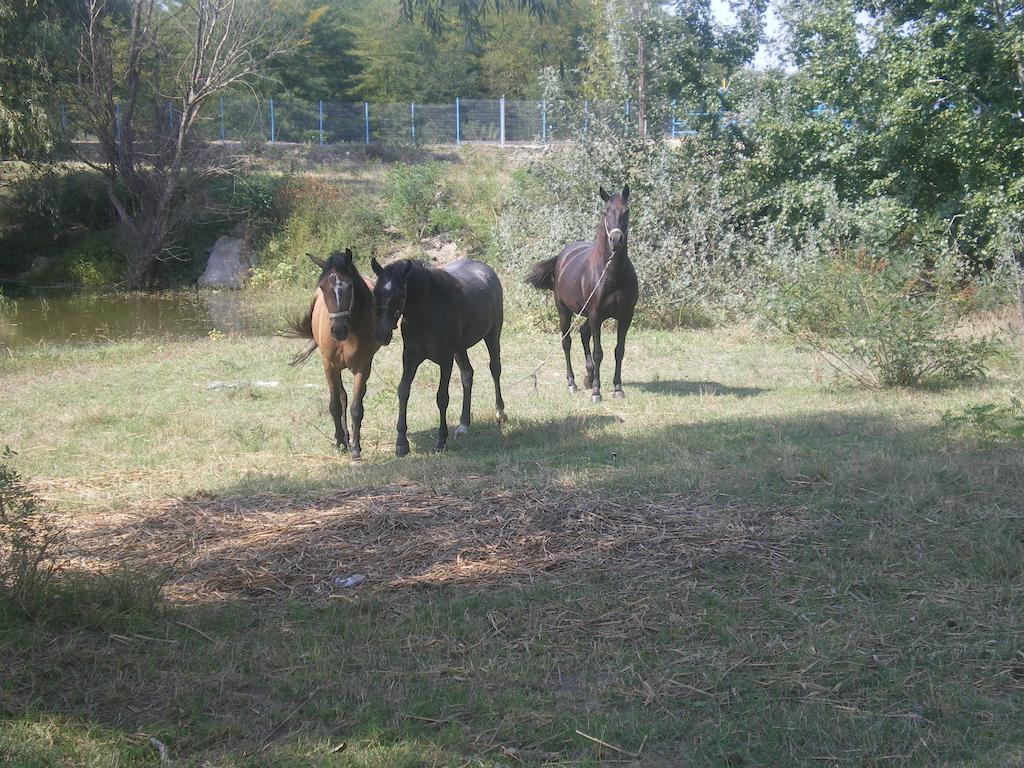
(443, 313)
(595, 280)
(340, 321)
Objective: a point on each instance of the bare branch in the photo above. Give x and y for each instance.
(148, 171)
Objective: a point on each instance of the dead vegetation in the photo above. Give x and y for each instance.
(280, 546)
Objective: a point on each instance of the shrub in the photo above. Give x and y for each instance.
(31, 545)
(316, 216)
(413, 192)
(43, 206)
(991, 422)
(689, 238)
(96, 261)
(35, 580)
(897, 320)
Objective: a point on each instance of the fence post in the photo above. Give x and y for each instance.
(544, 120)
(273, 138)
(222, 118)
(672, 117)
(321, 122)
(501, 117)
(412, 120)
(366, 122)
(458, 134)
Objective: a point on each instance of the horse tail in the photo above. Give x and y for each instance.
(302, 328)
(303, 356)
(542, 274)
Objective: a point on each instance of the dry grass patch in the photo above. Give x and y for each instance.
(402, 535)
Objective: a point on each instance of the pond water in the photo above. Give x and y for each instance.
(78, 318)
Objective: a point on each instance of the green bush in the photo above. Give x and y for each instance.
(413, 192)
(894, 321)
(34, 577)
(690, 238)
(317, 216)
(95, 261)
(991, 422)
(45, 206)
(32, 545)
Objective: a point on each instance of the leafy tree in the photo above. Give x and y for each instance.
(34, 63)
(322, 64)
(440, 16)
(401, 60)
(918, 103)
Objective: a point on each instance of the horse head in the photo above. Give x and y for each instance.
(389, 296)
(336, 285)
(615, 219)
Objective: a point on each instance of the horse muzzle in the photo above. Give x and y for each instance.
(339, 331)
(384, 336)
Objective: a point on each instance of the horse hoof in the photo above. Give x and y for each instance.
(596, 398)
(618, 394)
(501, 417)
(402, 450)
(572, 389)
(461, 430)
(439, 448)
(356, 453)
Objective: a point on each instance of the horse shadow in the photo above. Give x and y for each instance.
(684, 388)
(486, 435)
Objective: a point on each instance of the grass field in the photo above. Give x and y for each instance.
(741, 564)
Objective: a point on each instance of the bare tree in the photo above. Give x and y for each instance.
(178, 52)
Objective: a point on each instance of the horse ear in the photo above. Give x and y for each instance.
(377, 268)
(348, 255)
(625, 194)
(604, 195)
(319, 262)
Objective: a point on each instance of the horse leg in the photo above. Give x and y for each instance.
(359, 379)
(466, 372)
(588, 382)
(409, 365)
(442, 404)
(493, 342)
(339, 406)
(622, 327)
(595, 329)
(565, 323)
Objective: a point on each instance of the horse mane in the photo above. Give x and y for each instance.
(442, 281)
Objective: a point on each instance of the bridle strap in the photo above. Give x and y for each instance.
(344, 312)
(608, 234)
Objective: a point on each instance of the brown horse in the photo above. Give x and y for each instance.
(597, 280)
(341, 322)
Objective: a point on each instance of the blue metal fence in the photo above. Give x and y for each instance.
(239, 117)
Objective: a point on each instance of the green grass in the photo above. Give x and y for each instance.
(847, 586)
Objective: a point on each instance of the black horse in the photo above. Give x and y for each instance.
(595, 279)
(444, 312)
